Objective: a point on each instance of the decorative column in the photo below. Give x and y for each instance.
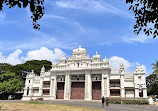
(67, 87)
(144, 93)
(41, 86)
(52, 87)
(105, 85)
(41, 81)
(136, 92)
(88, 86)
(122, 81)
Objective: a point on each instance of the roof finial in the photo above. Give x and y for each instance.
(80, 46)
(96, 53)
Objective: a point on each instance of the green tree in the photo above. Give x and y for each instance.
(5, 67)
(146, 12)
(10, 82)
(36, 7)
(35, 65)
(155, 67)
(152, 80)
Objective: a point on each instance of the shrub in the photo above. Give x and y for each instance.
(118, 101)
(139, 102)
(115, 100)
(40, 99)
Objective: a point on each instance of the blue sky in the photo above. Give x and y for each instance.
(105, 26)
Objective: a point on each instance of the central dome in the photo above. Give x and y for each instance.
(79, 50)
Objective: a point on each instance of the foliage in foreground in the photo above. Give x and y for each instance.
(118, 101)
(146, 13)
(36, 7)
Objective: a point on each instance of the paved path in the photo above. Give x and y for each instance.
(97, 104)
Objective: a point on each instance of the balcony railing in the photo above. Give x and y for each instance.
(46, 86)
(114, 85)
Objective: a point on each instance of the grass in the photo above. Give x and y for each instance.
(37, 106)
(35, 103)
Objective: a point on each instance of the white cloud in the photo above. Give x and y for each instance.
(91, 6)
(13, 58)
(44, 54)
(129, 67)
(115, 63)
(141, 38)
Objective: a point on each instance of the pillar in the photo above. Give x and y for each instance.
(105, 85)
(136, 93)
(52, 87)
(88, 86)
(144, 93)
(122, 85)
(67, 87)
(41, 86)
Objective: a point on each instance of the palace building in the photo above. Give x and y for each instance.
(82, 77)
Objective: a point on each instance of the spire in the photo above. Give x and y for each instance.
(32, 71)
(122, 65)
(96, 53)
(43, 69)
(79, 46)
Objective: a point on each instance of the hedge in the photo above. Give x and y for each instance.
(118, 101)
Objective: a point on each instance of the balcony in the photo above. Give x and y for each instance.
(46, 86)
(114, 85)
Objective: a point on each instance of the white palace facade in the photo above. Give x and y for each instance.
(82, 77)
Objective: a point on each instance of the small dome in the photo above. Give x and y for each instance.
(105, 60)
(139, 68)
(54, 63)
(63, 58)
(79, 50)
(97, 56)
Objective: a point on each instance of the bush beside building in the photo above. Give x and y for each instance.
(125, 101)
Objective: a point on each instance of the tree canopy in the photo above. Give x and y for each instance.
(10, 82)
(36, 7)
(152, 81)
(146, 12)
(12, 78)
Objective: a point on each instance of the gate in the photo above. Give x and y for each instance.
(77, 90)
(96, 90)
(60, 90)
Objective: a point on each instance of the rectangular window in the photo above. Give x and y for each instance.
(46, 92)
(46, 84)
(114, 83)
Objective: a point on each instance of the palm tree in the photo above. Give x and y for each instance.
(155, 66)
